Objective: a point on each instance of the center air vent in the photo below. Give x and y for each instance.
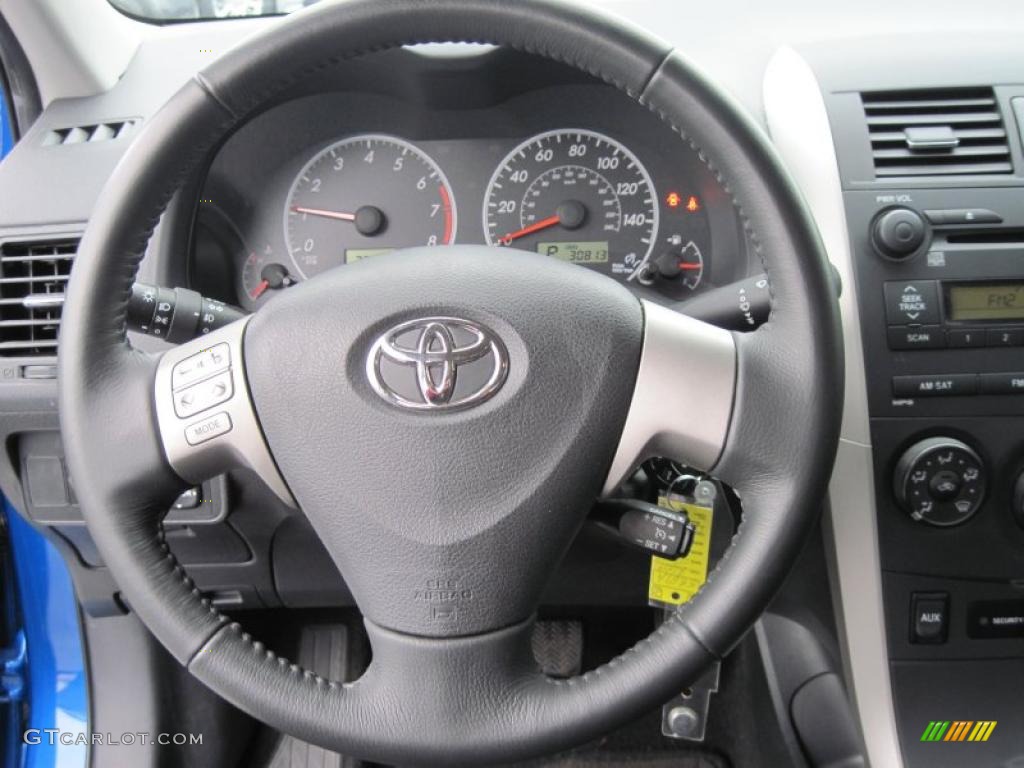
(33, 275)
(936, 133)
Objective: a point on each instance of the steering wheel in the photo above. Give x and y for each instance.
(414, 407)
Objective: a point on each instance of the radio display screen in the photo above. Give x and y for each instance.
(986, 301)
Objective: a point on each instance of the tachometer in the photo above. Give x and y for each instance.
(363, 196)
(574, 195)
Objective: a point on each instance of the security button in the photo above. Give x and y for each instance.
(912, 302)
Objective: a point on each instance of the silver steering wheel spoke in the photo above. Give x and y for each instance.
(683, 399)
(207, 421)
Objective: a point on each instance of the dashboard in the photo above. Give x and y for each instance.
(477, 130)
(327, 179)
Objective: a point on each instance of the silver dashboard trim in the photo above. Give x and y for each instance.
(799, 127)
(683, 398)
(243, 445)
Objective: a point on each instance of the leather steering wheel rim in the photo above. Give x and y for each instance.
(440, 699)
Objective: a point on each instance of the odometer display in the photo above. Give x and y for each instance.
(353, 255)
(366, 195)
(574, 195)
(577, 253)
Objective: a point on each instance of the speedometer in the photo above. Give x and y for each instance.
(364, 196)
(574, 195)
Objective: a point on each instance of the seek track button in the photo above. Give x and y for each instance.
(912, 302)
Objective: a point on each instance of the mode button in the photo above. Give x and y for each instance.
(207, 429)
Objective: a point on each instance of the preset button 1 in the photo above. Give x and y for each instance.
(966, 337)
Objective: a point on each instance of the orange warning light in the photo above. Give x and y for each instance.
(693, 204)
(672, 199)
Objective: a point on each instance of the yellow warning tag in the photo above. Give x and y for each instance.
(673, 582)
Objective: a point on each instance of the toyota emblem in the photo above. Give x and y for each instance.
(437, 363)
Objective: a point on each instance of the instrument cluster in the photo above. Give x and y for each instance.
(613, 191)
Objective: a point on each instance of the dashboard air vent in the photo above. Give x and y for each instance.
(936, 133)
(33, 275)
(82, 134)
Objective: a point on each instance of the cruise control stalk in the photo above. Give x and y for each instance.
(176, 314)
(657, 530)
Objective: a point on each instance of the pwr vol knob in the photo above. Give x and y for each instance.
(940, 481)
(898, 232)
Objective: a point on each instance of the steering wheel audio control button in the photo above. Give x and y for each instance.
(204, 395)
(209, 428)
(207, 422)
(200, 366)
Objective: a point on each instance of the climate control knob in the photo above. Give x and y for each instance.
(940, 481)
(898, 232)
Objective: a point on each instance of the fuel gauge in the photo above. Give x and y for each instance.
(690, 264)
(679, 264)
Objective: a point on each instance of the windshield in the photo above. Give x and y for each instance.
(183, 10)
